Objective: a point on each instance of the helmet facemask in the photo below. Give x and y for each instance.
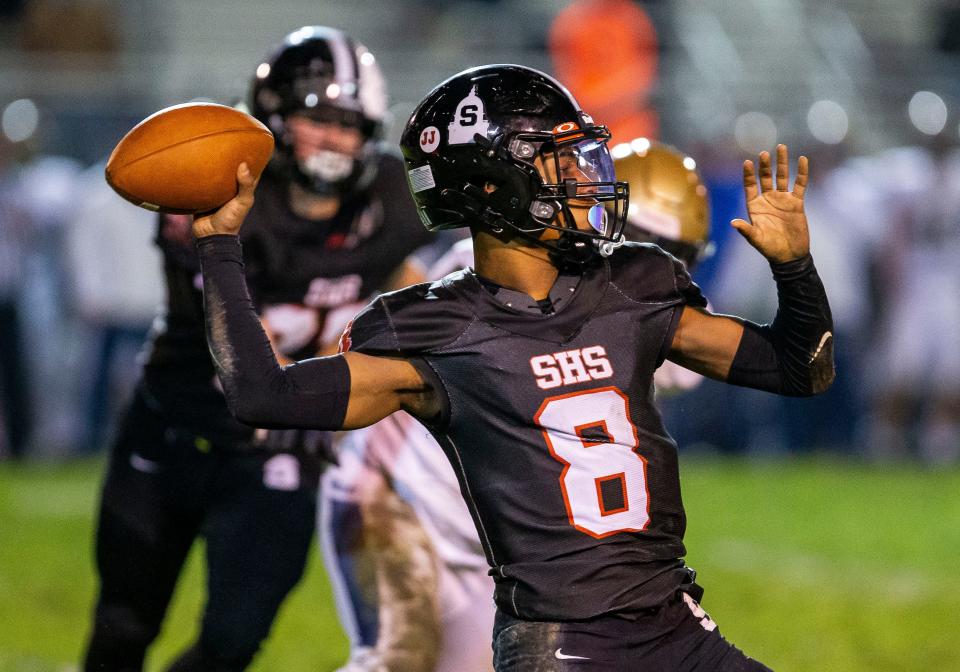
(570, 177)
(330, 169)
(577, 175)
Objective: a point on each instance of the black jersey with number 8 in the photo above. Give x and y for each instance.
(551, 427)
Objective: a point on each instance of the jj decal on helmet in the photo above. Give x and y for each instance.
(323, 75)
(507, 148)
(429, 139)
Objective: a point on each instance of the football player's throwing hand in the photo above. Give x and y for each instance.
(228, 218)
(778, 225)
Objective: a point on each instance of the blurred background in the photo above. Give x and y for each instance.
(867, 88)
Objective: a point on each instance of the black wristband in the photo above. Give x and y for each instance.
(793, 355)
(220, 246)
(792, 270)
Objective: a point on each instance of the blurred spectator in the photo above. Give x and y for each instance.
(47, 190)
(116, 287)
(16, 412)
(606, 52)
(915, 367)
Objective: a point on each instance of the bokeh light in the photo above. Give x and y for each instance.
(20, 120)
(828, 122)
(640, 145)
(621, 150)
(927, 112)
(755, 132)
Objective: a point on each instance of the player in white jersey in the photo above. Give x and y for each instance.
(402, 553)
(407, 568)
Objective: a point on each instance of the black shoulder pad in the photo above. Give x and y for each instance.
(646, 273)
(409, 321)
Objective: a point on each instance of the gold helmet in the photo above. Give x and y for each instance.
(668, 200)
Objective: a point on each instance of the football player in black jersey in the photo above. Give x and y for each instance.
(333, 224)
(534, 371)
(408, 568)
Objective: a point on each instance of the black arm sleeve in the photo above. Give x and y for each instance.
(794, 354)
(311, 394)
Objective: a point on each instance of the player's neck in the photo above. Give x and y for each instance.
(525, 268)
(312, 207)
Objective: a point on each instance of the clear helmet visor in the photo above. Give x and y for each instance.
(578, 193)
(588, 160)
(586, 169)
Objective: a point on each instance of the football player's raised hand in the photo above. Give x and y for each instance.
(228, 218)
(778, 225)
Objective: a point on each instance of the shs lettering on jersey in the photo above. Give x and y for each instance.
(551, 427)
(571, 366)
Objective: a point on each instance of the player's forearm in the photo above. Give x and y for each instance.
(311, 394)
(794, 354)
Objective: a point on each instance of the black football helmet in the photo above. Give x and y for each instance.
(322, 74)
(507, 147)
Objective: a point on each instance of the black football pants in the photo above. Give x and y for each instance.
(677, 637)
(160, 493)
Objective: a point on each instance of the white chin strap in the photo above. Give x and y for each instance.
(607, 247)
(328, 166)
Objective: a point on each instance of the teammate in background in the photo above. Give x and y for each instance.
(333, 224)
(534, 372)
(401, 550)
(411, 580)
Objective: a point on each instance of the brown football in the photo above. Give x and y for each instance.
(183, 159)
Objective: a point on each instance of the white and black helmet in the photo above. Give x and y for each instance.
(490, 126)
(323, 74)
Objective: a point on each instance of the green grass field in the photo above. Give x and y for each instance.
(808, 565)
